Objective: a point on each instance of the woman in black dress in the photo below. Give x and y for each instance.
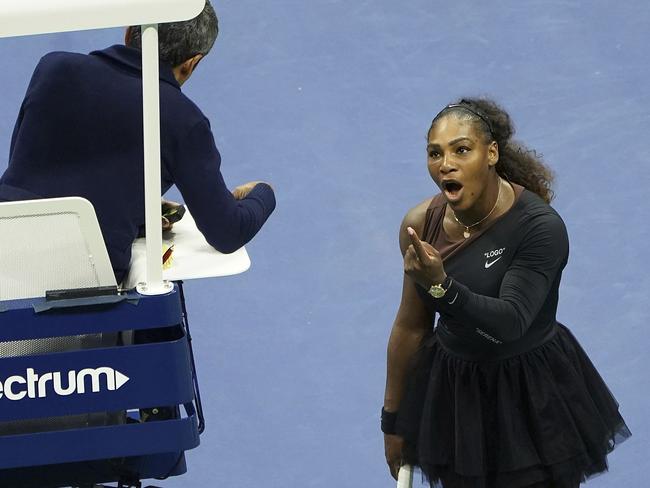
(499, 394)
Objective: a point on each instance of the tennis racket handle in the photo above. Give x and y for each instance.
(405, 477)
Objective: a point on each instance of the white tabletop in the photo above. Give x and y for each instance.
(192, 258)
(18, 18)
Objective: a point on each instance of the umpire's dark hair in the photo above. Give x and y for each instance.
(180, 41)
(517, 163)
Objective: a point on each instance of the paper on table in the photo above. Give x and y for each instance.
(193, 257)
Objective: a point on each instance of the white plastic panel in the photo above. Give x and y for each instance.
(50, 244)
(19, 18)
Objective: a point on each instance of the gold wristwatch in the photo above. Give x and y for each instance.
(439, 290)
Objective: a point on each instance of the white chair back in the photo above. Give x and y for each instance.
(50, 244)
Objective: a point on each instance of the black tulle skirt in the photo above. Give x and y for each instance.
(541, 418)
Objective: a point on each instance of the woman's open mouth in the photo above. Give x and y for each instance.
(452, 190)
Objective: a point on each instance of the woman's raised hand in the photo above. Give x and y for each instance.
(422, 262)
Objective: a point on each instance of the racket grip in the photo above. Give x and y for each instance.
(405, 477)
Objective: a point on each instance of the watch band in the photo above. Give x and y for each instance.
(447, 282)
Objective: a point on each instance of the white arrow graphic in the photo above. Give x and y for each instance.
(120, 379)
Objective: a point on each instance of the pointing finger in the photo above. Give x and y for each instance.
(421, 252)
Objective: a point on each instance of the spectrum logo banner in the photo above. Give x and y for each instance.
(87, 380)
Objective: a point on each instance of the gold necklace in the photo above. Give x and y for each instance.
(466, 232)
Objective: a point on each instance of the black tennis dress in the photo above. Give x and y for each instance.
(501, 394)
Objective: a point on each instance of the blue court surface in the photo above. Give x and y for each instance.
(330, 101)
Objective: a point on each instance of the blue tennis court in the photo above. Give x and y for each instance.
(330, 102)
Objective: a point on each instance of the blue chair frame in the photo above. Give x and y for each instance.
(160, 373)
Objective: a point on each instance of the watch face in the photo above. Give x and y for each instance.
(437, 291)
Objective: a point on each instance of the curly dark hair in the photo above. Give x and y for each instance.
(517, 163)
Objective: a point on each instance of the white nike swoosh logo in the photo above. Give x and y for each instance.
(488, 264)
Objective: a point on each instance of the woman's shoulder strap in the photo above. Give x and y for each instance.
(434, 217)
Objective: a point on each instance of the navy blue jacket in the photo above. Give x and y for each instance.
(79, 132)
